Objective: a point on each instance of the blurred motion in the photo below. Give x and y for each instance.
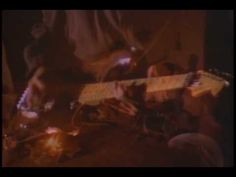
(122, 88)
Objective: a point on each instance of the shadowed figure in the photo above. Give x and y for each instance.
(195, 150)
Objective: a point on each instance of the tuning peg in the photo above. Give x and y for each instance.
(196, 83)
(229, 75)
(226, 83)
(215, 71)
(226, 74)
(210, 70)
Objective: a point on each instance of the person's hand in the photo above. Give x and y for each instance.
(36, 89)
(127, 108)
(9, 143)
(124, 107)
(119, 91)
(158, 97)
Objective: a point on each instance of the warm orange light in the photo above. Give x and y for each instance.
(53, 144)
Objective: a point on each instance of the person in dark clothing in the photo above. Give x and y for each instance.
(34, 53)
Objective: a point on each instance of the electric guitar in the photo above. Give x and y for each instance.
(91, 94)
(94, 93)
(204, 83)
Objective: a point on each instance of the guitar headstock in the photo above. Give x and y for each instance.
(207, 83)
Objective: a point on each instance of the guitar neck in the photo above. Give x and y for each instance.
(99, 91)
(94, 93)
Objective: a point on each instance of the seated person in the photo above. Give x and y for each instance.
(195, 150)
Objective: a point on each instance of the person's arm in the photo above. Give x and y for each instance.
(152, 71)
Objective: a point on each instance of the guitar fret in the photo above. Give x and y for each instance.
(101, 91)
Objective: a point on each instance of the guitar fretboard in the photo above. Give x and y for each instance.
(93, 93)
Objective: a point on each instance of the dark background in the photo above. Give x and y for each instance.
(219, 54)
(16, 27)
(218, 41)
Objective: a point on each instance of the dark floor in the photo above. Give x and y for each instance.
(107, 145)
(102, 144)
